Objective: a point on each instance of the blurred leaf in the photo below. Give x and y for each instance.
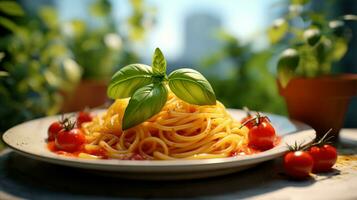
(295, 10)
(113, 41)
(10, 25)
(316, 18)
(48, 15)
(137, 4)
(312, 36)
(72, 71)
(322, 49)
(3, 73)
(100, 8)
(2, 55)
(11, 8)
(278, 30)
(338, 27)
(51, 78)
(75, 28)
(300, 2)
(340, 49)
(350, 17)
(287, 64)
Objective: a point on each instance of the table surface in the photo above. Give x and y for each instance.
(24, 178)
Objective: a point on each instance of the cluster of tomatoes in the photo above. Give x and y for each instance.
(300, 161)
(317, 157)
(68, 135)
(261, 135)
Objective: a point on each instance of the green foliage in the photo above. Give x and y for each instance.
(100, 8)
(251, 84)
(320, 42)
(2, 145)
(140, 20)
(101, 50)
(278, 30)
(288, 62)
(11, 8)
(34, 65)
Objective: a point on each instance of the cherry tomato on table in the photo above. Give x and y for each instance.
(262, 135)
(324, 157)
(53, 130)
(70, 140)
(83, 117)
(298, 164)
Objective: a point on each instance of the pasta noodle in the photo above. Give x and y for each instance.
(179, 131)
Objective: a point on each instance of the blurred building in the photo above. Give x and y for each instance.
(199, 39)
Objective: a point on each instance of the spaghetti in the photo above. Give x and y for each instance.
(179, 131)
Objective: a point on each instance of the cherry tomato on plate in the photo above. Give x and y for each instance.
(250, 123)
(83, 117)
(324, 157)
(261, 136)
(70, 140)
(298, 164)
(53, 130)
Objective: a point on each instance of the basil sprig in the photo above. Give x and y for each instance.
(147, 87)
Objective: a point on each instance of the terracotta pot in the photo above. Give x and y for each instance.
(321, 102)
(88, 93)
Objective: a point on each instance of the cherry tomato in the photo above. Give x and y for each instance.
(53, 130)
(251, 122)
(298, 164)
(261, 136)
(70, 140)
(83, 117)
(324, 157)
(246, 119)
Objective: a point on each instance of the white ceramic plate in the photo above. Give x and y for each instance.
(28, 139)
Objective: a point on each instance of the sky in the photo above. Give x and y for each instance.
(245, 19)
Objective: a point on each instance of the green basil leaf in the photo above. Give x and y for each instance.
(145, 103)
(192, 87)
(159, 62)
(128, 79)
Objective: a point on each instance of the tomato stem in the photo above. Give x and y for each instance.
(247, 111)
(321, 142)
(258, 117)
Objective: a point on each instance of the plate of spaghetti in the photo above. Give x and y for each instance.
(159, 127)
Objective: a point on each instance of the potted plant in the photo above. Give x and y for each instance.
(313, 92)
(100, 50)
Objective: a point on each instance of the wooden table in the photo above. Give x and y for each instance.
(21, 177)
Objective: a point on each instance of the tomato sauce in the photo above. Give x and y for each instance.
(52, 147)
